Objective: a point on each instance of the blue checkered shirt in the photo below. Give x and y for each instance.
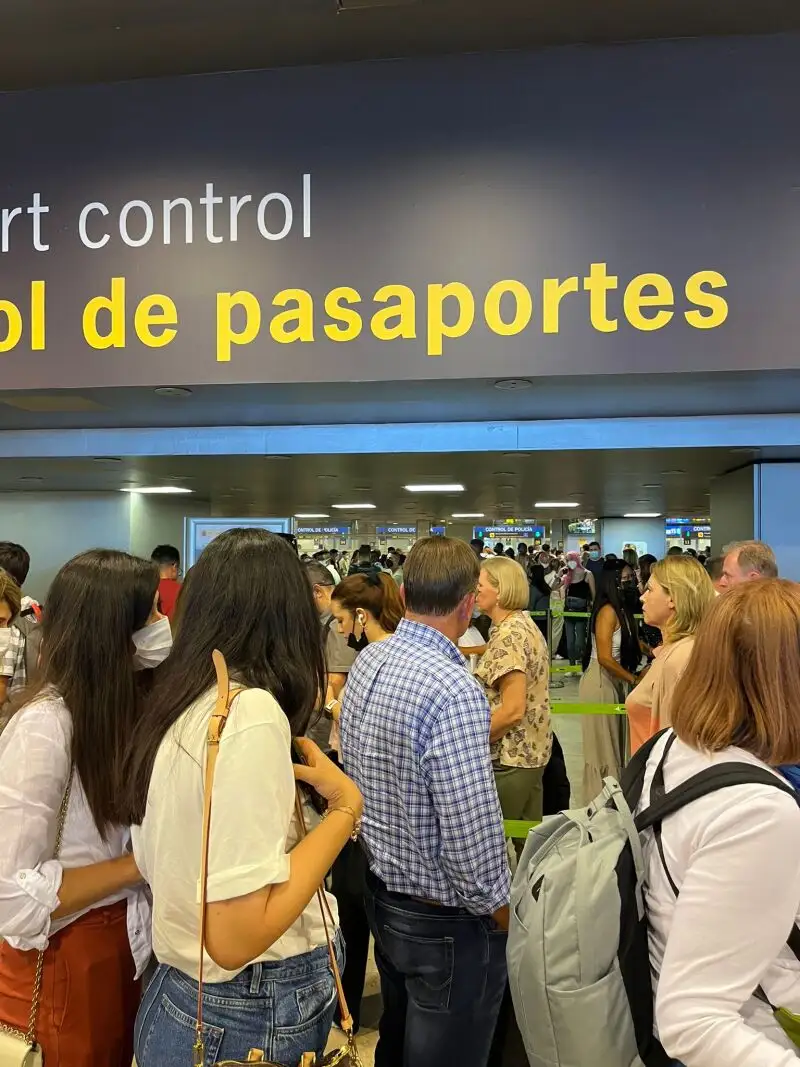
(415, 737)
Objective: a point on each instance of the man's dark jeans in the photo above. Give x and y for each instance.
(443, 974)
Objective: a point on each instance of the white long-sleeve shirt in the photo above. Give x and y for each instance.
(735, 858)
(34, 766)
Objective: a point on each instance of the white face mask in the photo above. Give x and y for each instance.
(153, 644)
(5, 640)
(573, 566)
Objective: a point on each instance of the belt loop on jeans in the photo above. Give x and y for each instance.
(255, 978)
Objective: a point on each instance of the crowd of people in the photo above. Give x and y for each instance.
(363, 752)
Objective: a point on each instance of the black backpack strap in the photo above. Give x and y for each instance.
(793, 941)
(633, 776)
(657, 791)
(711, 780)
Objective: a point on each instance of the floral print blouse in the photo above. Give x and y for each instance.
(517, 644)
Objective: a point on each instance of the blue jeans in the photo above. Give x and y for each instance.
(443, 975)
(284, 1008)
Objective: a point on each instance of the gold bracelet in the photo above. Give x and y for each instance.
(346, 810)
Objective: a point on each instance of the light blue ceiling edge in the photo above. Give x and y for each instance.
(716, 431)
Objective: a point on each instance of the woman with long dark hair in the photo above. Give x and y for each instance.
(610, 664)
(268, 978)
(367, 608)
(81, 901)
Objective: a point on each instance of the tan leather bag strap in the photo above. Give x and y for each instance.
(346, 1019)
(225, 699)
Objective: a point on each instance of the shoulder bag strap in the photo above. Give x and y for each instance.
(346, 1019)
(225, 699)
(30, 1036)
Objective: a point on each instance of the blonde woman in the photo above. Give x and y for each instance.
(515, 674)
(677, 595)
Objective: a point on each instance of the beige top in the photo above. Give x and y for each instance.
(253, 828)
(656, 689)
(517, 644)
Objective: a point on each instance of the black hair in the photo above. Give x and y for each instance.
(249, 598)
(592, 544)
(95, 605)
(609, 591)
(510, 553)
(499, 548)
(166, 556)
(477, 543)
(715, 566)
(536, 579)
(645, 566)
(15, 560)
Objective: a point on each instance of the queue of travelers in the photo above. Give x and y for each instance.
(104, 775)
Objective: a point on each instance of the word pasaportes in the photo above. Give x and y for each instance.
(451, 309)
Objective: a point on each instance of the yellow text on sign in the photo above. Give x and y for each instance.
(155, 319)
(12, 320)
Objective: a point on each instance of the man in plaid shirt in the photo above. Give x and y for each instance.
(415, 738)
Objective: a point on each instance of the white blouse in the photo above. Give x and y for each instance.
(253, 828)
(734, 857)
(34, 767)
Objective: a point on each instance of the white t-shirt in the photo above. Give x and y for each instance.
(253, 828)
(735, 857)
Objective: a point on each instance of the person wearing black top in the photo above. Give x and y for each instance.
(610, 662)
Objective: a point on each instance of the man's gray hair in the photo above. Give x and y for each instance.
(755, 556)
(318, 573)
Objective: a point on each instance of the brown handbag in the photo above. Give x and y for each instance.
(347, 1055)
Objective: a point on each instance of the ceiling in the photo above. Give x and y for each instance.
(51, 43)
(502, 485)
(350, 403)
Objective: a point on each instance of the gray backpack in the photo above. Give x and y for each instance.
(578, 954)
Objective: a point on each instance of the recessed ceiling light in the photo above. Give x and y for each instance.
(447, 487)
(31, 478)
(504, 474)
(506, 506)
(353, 507)
(172, 390)
(329, 476)
(312, 515)
(511, 487)
(651, 485)
(642, 515)
(556, 504)
(362, 488)
(674, 472)
(157, 490)
(510, 385)
(467, 514)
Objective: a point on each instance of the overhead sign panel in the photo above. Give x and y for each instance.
(154, 232)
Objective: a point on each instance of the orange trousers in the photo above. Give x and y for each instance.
(89, 995)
